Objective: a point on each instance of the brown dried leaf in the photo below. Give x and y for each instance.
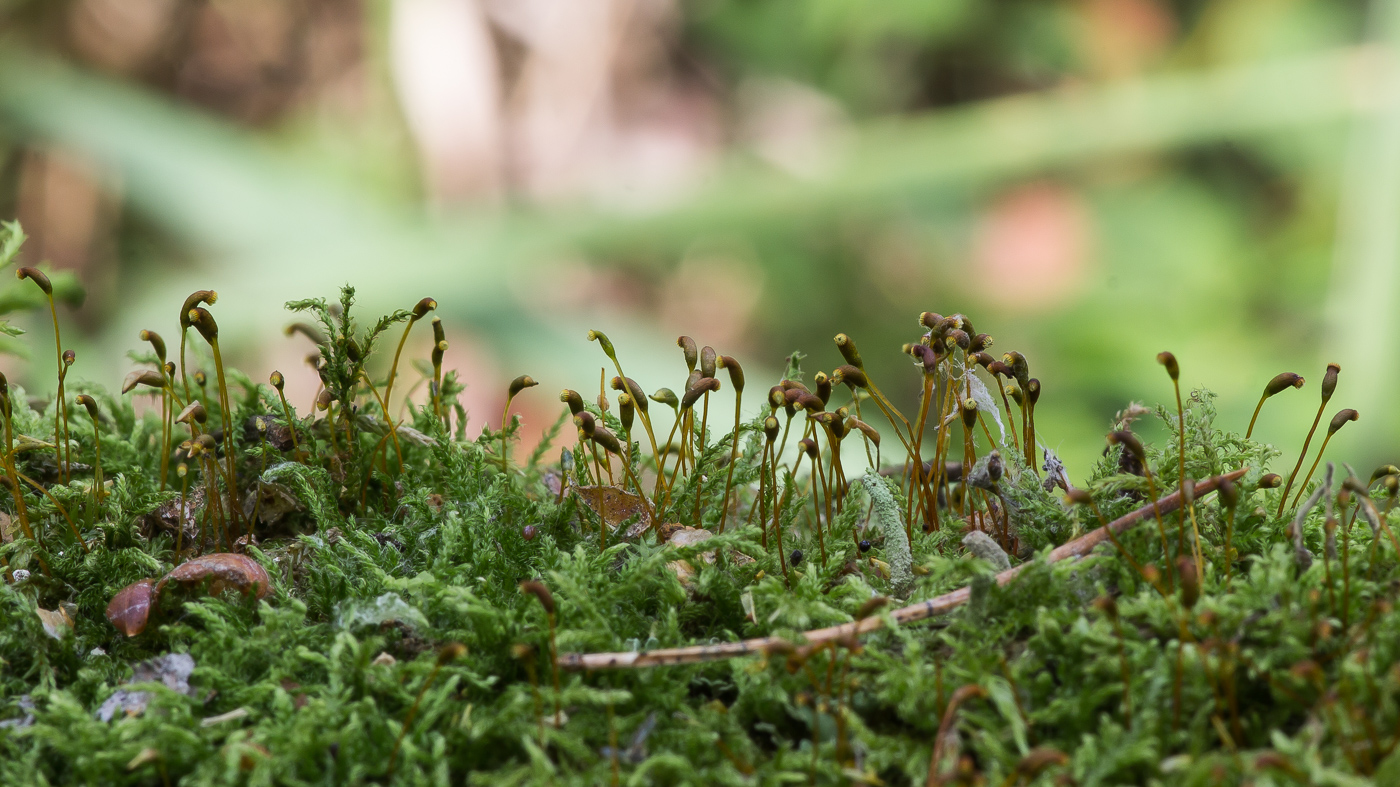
(277, 501)
(56, 622)
(170, 515)
(223, 571)
(8, 529)
(615, 506)
(131, 607)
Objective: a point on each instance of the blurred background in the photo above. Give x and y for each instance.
(1091, 181)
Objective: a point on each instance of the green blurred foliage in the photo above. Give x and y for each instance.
(1199, 142)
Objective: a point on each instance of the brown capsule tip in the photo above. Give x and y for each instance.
(1151, 573)
(1039, 759)
(1016, 362)
(324, 399)
(1329, 380)
(1014, 391)
(810, 402)
(421, 309)
(999, 369)
(809, 447)
(1229, 493)
(982, 359)
(981, 342)
(969, 412)
(770, 429)
(1107, 606)
(585, 422)
(203, 321)
(871, 606)
(521, 383)
(451, 653)
(1283, 382)
(146, 377)
(847, 346)
(1033, 390)
(736, 372)
(305, 329)
(960, 339)
(277, 380)
(707, 361)
(572, 399)
(37, 276)
(206, 442)
(850, 375)
(89, 404)
(1130, 444)
(193, 410)
(1354, 484)
(926, 355)
(667, 397)
(1190, 587)
(690, 349)
(1271, 481)
(704, 386)
(1168, 360)
(639, 398)
(439, 335)
(1080, 497)
(69, 357)
(197, 297)
(605, 438)
(871, 433)
(1340, 419)
(930, 320)
(777, 397)
(157, 343)
(1380, 472)
(540, 592)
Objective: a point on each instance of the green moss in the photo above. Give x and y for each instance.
(1282, 675)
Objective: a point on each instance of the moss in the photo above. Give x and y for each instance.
(1281, 674)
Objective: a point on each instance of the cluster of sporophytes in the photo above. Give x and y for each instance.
(232, 589)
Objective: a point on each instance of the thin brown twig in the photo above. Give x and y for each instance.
(923, 610)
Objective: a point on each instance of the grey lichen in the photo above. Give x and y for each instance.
(885, 514)
(982, 545)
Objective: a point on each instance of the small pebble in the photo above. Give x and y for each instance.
(865, 546)
(528, 532)
(796, 557)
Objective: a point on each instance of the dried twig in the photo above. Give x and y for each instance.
(921, 611)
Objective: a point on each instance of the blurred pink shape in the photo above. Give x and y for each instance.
(1031, 246)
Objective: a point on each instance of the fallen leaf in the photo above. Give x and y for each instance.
(616, 506)
(131, 607)
(273, 502)
(56, 622)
